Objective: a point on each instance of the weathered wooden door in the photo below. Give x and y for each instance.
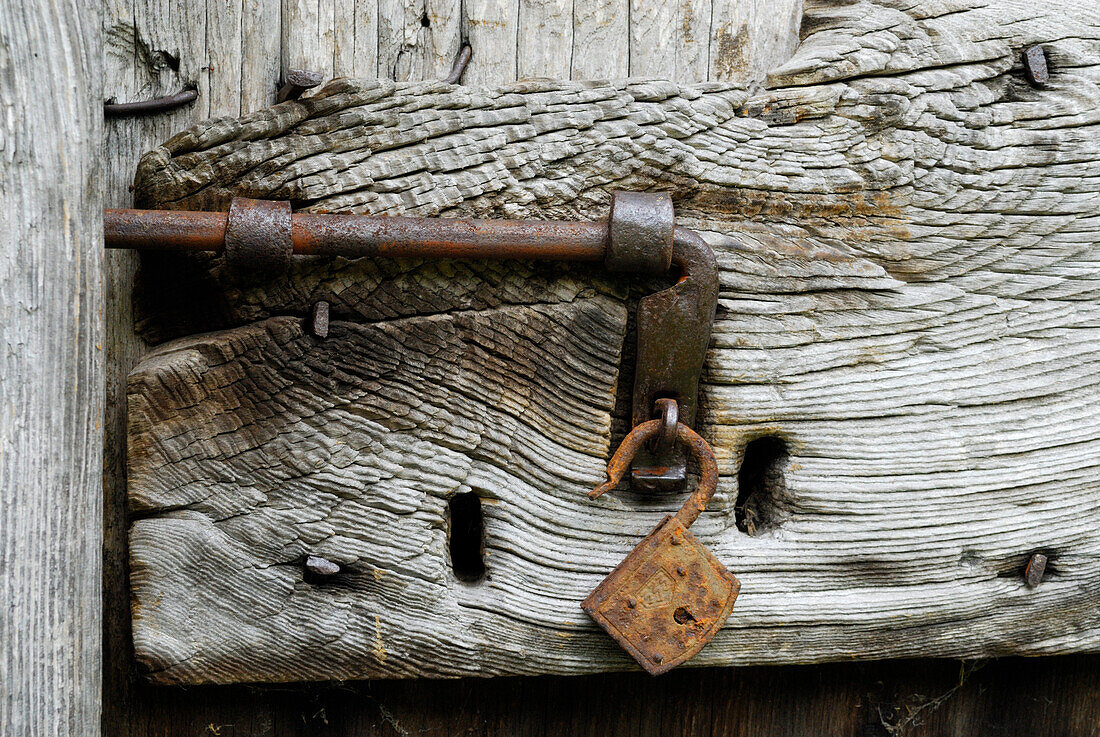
(905, 222)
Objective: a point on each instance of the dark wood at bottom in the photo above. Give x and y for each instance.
(1059, 697)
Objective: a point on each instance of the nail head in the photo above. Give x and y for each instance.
(318, 319)
(1035, 66)
(296, 82)
(1036, 567)
(319, 566)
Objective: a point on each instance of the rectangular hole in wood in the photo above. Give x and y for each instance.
(467, 537)
(760, 480)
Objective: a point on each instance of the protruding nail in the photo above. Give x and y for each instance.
(146, 107)
(459, 67)
(298, 81)
(1036, 567)
(318, 319)
(632, 603)
(1035, 66)
(657, 657)
(680, 570)
(319, 566)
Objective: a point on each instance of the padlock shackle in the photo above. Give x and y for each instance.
(700, 449)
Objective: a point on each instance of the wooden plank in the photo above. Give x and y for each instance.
(309, 36)
(748, 38)
(147, 56)
(261, 55)
(51, 368)
(544, 40)
(914, 324)
(601, 40)
(670, 40)
(418, 39)
(491, 27)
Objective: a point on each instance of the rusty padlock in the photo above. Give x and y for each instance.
(670, 596)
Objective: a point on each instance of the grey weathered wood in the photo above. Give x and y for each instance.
(147, 57)
(601, 40)
(51, 368)
(670, 40)
(491, 28)
(411, 50)
(544, 43)
(747, 39)
(907, 239)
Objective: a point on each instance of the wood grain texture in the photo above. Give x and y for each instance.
(146, 57)
(51, 368)
(601, 40)
(418, 39)
(670, 40)
(906, 236)
(491, 28)
(544, 43)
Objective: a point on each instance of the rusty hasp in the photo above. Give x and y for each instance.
(673, 333)
(639, 236)
(670, 596)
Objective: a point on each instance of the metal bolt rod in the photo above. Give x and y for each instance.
(358, 235)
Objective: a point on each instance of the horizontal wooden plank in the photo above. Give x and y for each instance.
(906, 232)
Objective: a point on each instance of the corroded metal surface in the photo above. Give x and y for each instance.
(359, 235)
(1033, 572)
(670, 596)
(353, 235)
(1035, 66)
(150, 107)
(640, 231)
(257, 236)
(459, 68)
(298, 81)
(165, 230)
(673, 334)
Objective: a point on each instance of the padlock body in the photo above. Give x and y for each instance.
(666, 600)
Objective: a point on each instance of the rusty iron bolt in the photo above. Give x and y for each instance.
(1035, 66)
(298, 81)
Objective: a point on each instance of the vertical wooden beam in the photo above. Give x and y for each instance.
(417, 39)
(750, 37)
(51, 367)
(669, 40)
(491, 30)
(544, 42)
(601, 40)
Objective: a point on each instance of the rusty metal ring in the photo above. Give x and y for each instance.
(700, 448)
(668, 412)
(258, 241)
(640, 232)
